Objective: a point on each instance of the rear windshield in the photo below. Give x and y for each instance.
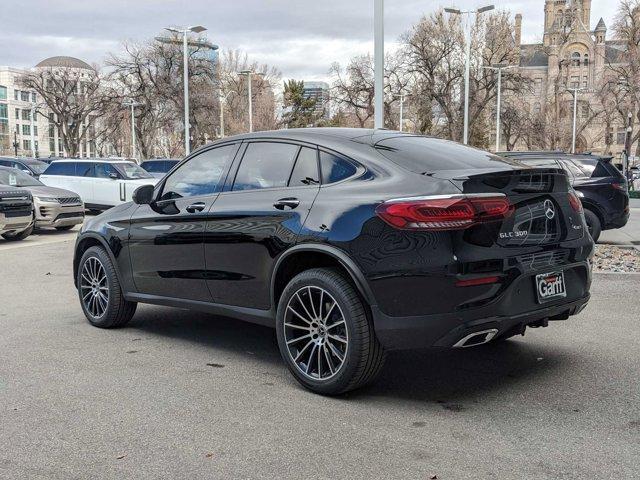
(597, 168)
(427, 155)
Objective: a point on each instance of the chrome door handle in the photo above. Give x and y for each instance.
(287, 202)
(195, 207)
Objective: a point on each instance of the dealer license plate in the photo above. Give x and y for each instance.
(550, 286)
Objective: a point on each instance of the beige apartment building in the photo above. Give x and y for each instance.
(25, 128)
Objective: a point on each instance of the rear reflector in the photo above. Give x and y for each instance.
(472, 282)
(575, 202)
(455, 212)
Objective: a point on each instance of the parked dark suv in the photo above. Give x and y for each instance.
(601, 187)
(349, 242)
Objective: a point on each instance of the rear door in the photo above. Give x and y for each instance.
(260, 215)
(166, 238)
(107, 185)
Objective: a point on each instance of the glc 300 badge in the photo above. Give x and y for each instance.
(514, 234)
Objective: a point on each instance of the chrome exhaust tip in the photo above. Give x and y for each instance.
(476, 338)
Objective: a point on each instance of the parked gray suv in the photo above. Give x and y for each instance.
(54, 207)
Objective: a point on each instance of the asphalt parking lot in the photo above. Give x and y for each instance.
(187, 395)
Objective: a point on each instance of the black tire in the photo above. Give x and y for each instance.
(15, 237)
(65, 228)
(593, 224)
(117, 311)
(364, 355)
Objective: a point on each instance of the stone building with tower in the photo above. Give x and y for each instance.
(572, 55)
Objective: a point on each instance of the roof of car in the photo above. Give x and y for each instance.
(543, 154)
(102, 160)
(26, 160)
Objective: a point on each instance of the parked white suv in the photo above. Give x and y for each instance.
(100, 183)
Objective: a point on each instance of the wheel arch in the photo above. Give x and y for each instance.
(592, 206)
(306, 256)
(84, 243)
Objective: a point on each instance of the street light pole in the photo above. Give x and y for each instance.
(574, 91)
(33, 134)
(401, 96)
(132, 105)
(185, 74)
(467, 66)
(249, 74)
(498, 68)
(378, 55)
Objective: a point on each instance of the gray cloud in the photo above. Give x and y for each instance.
(300, 37)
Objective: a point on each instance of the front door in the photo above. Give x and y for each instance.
(257, 219)
(166, 237)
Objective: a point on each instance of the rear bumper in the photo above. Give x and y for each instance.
(618, 222)
(512, 310)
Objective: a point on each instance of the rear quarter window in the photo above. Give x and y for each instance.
(67, 169)
(426, 155)
(335, 168)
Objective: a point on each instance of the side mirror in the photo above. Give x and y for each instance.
(143, 195)
(28, 172)
(113, 176)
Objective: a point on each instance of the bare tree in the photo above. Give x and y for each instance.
(353, 88)
(435, 48)
(76, 98)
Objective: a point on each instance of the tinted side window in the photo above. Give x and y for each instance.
(85, 169)
(105, 170)
(5, 163)
(67, 169)
(305, 171)
(265, 165)
(335, 168)
(201, 175)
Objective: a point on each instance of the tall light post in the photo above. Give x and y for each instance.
(499, 67)
(34, 110)
(574, 91)
(185, 45)
(467, 66)
(132, 105)
(401, 96)
(249, 74)
(378, 60)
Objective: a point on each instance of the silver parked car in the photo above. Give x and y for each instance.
(54, 207)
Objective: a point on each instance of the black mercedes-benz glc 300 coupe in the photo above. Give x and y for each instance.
(349, 242)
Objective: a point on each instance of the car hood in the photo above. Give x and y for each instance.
(44, 191)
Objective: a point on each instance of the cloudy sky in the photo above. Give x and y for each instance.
(300, 37)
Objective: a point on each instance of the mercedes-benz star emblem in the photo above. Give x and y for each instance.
(549, 210)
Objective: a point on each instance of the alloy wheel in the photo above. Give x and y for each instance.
(94, 288)
(316, 333)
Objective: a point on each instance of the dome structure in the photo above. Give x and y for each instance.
(64, 62)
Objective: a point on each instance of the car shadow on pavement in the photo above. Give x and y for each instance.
(452, 377)
(449, 377)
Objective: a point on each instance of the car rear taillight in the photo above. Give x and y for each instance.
(620, 186)
(575, 202)
(455, 212)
